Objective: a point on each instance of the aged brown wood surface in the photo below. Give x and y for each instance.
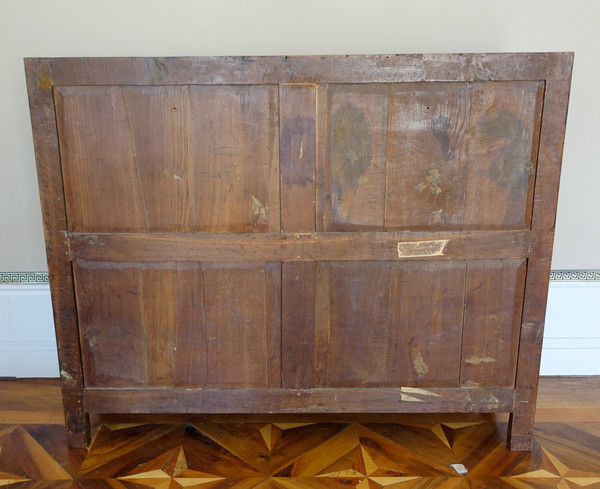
(300, 233)
(388, 400)
(538, 273)
(124, 247)
(45, 138)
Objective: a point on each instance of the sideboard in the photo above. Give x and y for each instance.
(304, 234)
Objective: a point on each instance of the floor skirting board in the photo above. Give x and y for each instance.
(571, 339)
(27, 342)
(572, 331)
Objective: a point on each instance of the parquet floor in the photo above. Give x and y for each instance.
(410, 452)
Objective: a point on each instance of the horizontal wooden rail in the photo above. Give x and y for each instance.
(300, 247)
(304, 69)
(328, 400)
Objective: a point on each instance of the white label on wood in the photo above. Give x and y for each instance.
(415, 249)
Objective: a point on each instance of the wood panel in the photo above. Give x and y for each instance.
(160, 127)
(192, 339)
(100, 171)
(358, 331)
(298, 324)
(237, 330)
(298, 153)
(159, 323)
(493, 306)
(388, 325)
(503, 146)
(109, 306)
(235, 147)
(203, 325)
(353, 170)
(149, 149)
(427, 155)
(427, 303)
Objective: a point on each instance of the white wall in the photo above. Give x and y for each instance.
(260, 27)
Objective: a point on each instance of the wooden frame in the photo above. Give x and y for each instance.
(301, 232)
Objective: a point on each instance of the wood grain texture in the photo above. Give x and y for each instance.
(538, 275)
(503, 136)
(236, 326)
(271, 454)
(255, 247)
(357, 118)
(165, 325)
(259, 400)
(235, 147)
(39, 401)
(383, 324)
(493, 306)
(274, 322)
(49, 172)
(161, 131)
(109, 307)
(427, 307)
(149, 149)
(100, 167)
(159, 321)
(310, 69)
(322, 326)
(358, 333)
(191, 340)
(298, 281)
(427, 155)
(297, 156)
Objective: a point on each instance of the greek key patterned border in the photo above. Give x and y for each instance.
(23, 278)
(575, 275)
(29, 278)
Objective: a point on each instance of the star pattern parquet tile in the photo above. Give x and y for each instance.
(207, 455)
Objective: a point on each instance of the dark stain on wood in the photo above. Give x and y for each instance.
(512, 164)
(351, 149)
(440, 127)
(297, 141)
(156, 70)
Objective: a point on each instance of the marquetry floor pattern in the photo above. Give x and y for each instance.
(207, 455)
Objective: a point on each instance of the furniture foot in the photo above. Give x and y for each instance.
(520, 433)
(78, 430)
(521, 443)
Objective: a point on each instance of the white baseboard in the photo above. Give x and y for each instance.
(571, 339)
(27, 341)
(572, 331)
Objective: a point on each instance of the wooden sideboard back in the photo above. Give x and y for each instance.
(300, 234)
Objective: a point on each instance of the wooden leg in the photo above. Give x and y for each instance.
(77, 421)
(519, 440)
(78, 438)
(522, 419)
(78, 430)
(520, 424)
